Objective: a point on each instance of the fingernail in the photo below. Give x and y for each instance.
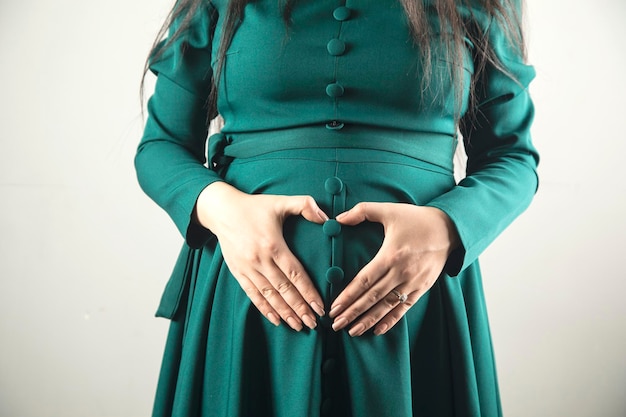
(317, 308)
(322, 215)
(273, 318)
(295, 324)
(380, 329)
(334, 310)
(340, 216)
(309, 321)
(357, 330)
(340, 324)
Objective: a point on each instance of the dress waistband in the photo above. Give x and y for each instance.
(434, 148)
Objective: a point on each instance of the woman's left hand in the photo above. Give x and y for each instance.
(418, 241)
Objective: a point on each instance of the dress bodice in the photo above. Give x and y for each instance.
(333, 64)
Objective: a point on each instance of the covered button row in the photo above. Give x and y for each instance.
(337, 47)
(332, 228)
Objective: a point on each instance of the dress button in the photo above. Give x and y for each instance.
(334, 125)
(334, 275)
(334, 90)
(331, 228)
(327, 406)
(333, 185)
(342, 13)
(329, 366)
(336, 47)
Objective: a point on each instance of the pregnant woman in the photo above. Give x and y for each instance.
(330, 258)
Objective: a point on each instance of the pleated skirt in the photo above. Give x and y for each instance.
(223, 358)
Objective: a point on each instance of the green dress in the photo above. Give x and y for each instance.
(332, 106)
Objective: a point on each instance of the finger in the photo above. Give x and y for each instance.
(304, 206)
(373, 212)
(381, 309)
(258, 300)
(394, 316)
(286, 274)
(299, 291)
(294, 286)
(364, 281)
(361, 308)
(275, 299)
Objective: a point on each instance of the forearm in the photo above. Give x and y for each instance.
(484, 204)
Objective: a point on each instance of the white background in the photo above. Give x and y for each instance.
(84, 254)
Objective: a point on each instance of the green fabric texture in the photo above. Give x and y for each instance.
(307, 110)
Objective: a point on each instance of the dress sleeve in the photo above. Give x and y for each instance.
(170, 159)
(501, 168)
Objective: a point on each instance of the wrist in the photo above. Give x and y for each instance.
(209, 200)
(452, 235)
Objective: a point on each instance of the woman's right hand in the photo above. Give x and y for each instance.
(249, 228)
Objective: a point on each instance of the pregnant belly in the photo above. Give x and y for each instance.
(338, 179)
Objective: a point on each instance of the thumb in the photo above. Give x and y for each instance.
(304, 206)
(372, 212)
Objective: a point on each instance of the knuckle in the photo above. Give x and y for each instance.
(360, 208)
(422, 287)
(250, 291)
(284, 310)
(365, 281)
(374, 296)
(372, 317)
(370, 320)
(353, 313)
(251, 257)
(300, 306)
(284, 286)
(411, 270)
(308, 201)
(390, 301)
(261, 304)
(268, 292)
(398, 256)
(398, 314)
(393, 317)
(270, 246)
(295, 275)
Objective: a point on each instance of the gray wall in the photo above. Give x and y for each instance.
(84, 254)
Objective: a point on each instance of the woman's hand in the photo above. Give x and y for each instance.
(249, 229)
(417, 243)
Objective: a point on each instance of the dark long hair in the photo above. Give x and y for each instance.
(505, 13)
